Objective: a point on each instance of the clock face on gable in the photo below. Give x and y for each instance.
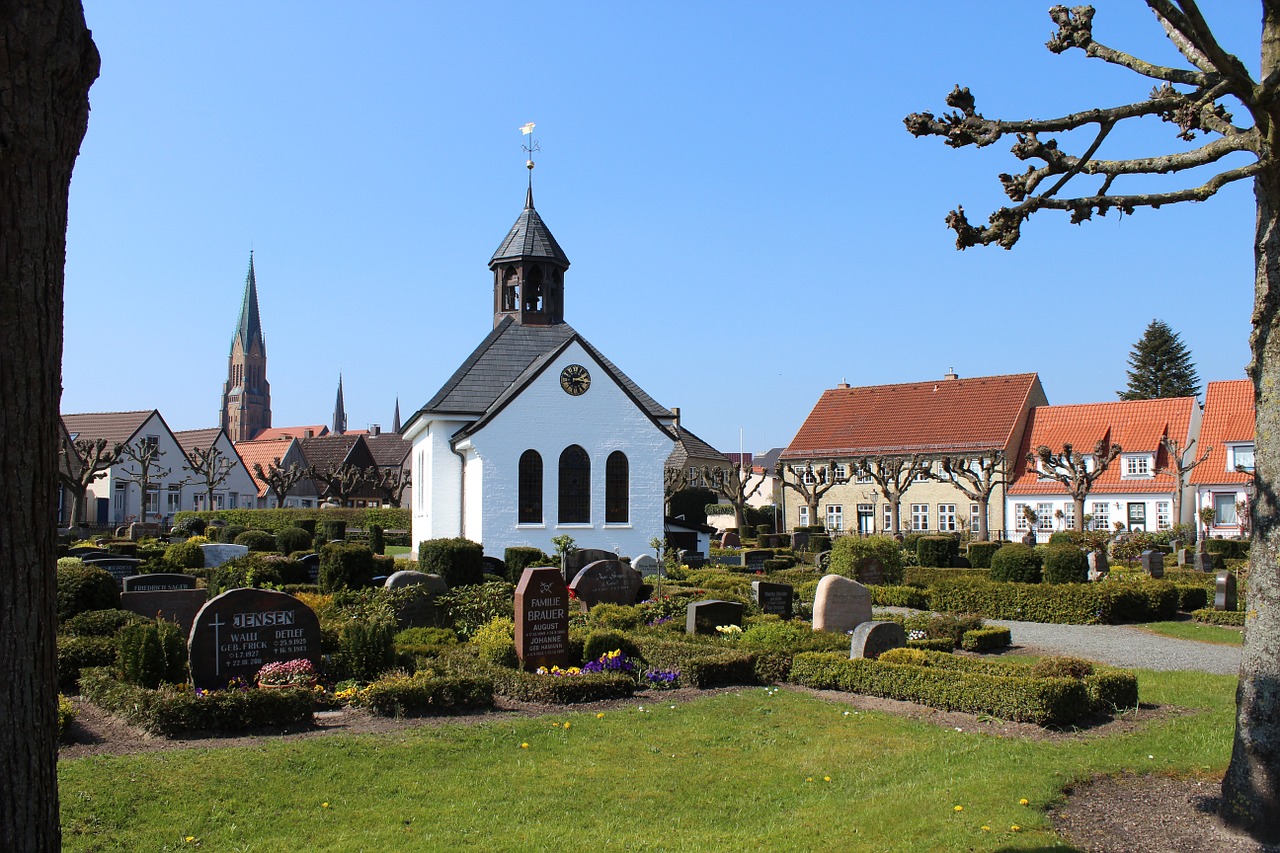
(575, 380)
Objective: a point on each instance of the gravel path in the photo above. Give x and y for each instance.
(1124, 645)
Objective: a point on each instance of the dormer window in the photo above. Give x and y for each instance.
(1137, 466)
(1240, 457)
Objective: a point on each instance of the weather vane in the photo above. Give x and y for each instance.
(532, 147)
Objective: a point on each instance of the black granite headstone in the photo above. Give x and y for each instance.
(158, 582)
(703, 617)
(774, 597)
(869, 571)
(238, 632)
(1153, 563)
(753, 560)
(606, 582)
(872, 639)
(1224, 597)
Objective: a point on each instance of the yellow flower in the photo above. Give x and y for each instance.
(1015, 828)
(566, 725)
(809, 779)
(826, 778)
(986, 828)
(959, 808)
(600, 716)
(1024, 802)
(324, 805)
(524, 745)
(189, 838)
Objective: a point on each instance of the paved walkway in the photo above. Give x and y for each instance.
(1124, 645)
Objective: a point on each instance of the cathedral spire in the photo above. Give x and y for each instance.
(339, 411)
(249, 328)
(395, 422)
(246, 395)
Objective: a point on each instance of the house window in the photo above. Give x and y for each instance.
(946, 516)
(975, 513)
(1162, 515)
(922, 474)
(233, 500)
(175, 500)
(839, 474)
(804, 517)
(150, 442)
(835, 517)
(529, 488)
(888, 519)
(617, 489)
(1224, 509)
(1242, 458)
(1044, 516)
(919, 516)
(1101, 512)
(1020, 518)
(219, 501)
(1137, 466)
(863, 476)
(808, 475)
(1069, 516)
(153, 502)
(695, 477)
(575, 486)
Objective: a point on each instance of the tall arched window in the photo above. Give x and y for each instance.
(617, 489)
(530, 488)
(575, 486)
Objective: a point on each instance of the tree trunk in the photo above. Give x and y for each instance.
(740, 519)
(984, 524)
(47, 63)
(1078, 521)
(894, 513)
(1251, 787)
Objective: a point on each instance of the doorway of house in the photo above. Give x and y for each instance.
(1137, 516)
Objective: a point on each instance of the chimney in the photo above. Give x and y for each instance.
(675, 410)
(843, 386)
(951, 374)
(375, 429)
(309, 434)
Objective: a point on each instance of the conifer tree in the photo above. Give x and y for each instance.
(1161, 366)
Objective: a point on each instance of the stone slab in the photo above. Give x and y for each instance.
(646, 565)
(542, 618)
(870, 570)
(174, 605)
(753, 559)
(840, 604)
(158, 582)
(703, 617)
(217, 553)
(776, 598)
(434, 583)
(872, 639)
(236, 633)
(1225, 596)
(606, 582)
(1153, 563)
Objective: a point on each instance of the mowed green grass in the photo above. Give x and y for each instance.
(1195, 631)
(752, 769)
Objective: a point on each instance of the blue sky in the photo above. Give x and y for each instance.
(749, 223)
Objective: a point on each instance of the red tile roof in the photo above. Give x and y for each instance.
(113, 426)
(949, 415)
(1136, 425)
(262, 453)
(1229, 416)
(298, 432)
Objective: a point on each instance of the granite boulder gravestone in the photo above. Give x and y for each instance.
(729, 539)
(1224, 596)
(774, 598)
(800, 540)
(606, 582)
(840, 604)
(542, 618)
(753, 559)
(236, 633)
(703, 617)
(217, 553)
(581, 558)
(646, 565)
(1153, 563)
(822, 560)
(872, 639)
(434, 583)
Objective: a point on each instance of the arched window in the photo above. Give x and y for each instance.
(575, 486)
(533, 290)
(617, 489)
(530, 488)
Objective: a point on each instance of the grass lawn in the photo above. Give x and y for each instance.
(1196, 631)
(750, 769)
(396, 550)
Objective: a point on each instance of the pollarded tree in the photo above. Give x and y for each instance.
(84, 461)
(342, 481)
(142, 468)
(1179, 466)
(810, 483)
(1160, 366)
(1075, 470)
(213, 467)
(1193, 98)
(977, 477)
(280, 481)
(391, 483)
(47, 63)
(893, 475)
(735, 485)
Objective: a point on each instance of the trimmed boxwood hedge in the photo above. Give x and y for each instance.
(934, 551)
(1191, 598)
(174, 710)
(848, 551)
(559, 689)
(699, 666)
(1016, 563)
(900, 596)
(1065, 563)
(390, 518)
(459, 561)
(76, 654)
(423, 694)
(1209, 616)
(986, 639)
(917, 576)
(980, 554)
(1070, 604)
(936, 644)
(82, 587)
(1230, 549)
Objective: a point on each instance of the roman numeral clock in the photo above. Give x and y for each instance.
(575, 380)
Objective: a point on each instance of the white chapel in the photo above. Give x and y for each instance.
(537, 434)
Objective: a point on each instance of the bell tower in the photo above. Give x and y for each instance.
(246, 395)
(528, 272)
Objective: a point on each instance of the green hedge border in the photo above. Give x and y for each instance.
(1209, 616)
(273, 520)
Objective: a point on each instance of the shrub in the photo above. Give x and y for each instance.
(185, 555)
(82, 587)
(850, 550)
(900, 596)
(230, 532)
(936, 644)
(561, 689)
(427, 642)
(377, 542)
(819, 542)
(293, 539)
(1191, 598)
(985, 639)
(1016, 563)
(1061, 537)
(940, 626)
(519, 558)
(1209, 616)
(334, 529)
(495, 641)
(1062, 667)
(345, 565)
(934, 550)
(470, 607)
(1112, 690)
(425, 693)
(457, 560)
(1077, 604)
(616, 616)
(152, 654)
(908, 656)
(699, 667)
(778, 564)
(366, 649)
(251, 570)
(1065, 564)
(980, 554)
(175, 710)
(66, 715)
(602, 642)
(1230, 549)
(101, 623)
(257, 540)
(76, 654)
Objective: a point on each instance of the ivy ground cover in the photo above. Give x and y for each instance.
(762, 768)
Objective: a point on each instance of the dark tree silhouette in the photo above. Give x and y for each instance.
(1194, 100)
(142, 468)
(84, 461)
(280, 481)
(213, 467)
(810, 493)
(1160, 366)
(342, 481)
(391, 483)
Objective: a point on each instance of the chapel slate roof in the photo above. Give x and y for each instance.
(115, 427)
(500, 364)
(1229, 416)
(943, 416)
(529, 238)
(1136, 425)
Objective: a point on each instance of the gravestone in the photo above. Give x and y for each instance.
(217, 553)
(703, 617)
(1029, 538)
(774, 597)
(693, 559)
(606, 582)
(139, 529)
(93, 555)
(1204, 560)
(872, 639)
(822, 560)
(1153, 563)
(840, 604)
(1185, 556)
(542, 618)
(236, 633)
(160, 581)
(85, 551)
(800, 540)
(175, 605)
(729, 539)
(1174, 545)
(311, 562)
(870, 570)
(645, 565)
(119, 567)
(434, 583)
(1098, 565)
(1224, 596)
(493, 566)
(580, 559)
(753, 560)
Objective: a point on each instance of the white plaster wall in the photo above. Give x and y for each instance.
(436, 506)
(171, 457)
(1063, 503)
(546, 419)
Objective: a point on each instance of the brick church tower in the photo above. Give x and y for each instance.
(246, 395)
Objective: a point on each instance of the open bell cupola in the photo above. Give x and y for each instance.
(528, 272)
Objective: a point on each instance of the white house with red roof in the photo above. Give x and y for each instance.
(1136, 490)
(1224, 480)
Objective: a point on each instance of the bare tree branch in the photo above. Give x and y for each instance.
(84, 461)
(732, 484)
(1075, 29)
(1075, 470)
(280, 481)
(812, 493)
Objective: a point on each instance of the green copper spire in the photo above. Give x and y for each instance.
(250, 326)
